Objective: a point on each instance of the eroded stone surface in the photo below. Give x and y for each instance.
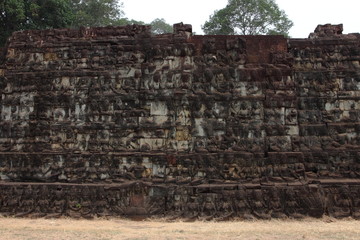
(209, 126)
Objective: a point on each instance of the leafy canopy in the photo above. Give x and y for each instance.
(95, 13)
(33, 14)
(16, 15)
(159, 26)
(248, 17)
(126, 21)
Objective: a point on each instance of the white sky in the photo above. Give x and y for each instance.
(306, 14)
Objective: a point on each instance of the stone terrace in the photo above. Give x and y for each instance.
(116, 121)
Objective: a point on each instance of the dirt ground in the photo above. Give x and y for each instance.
(102, 229)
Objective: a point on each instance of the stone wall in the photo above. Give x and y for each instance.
(116, 121)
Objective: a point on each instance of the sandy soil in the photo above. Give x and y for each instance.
(102, 229)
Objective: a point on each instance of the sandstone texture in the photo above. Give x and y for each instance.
(116, 121)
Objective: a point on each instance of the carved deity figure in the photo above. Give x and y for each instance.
(208, 209)
(339, 204)
(43, 203)
(225, 209)
(58, 203)
(192, 207)
(258, 205)
(292, 206)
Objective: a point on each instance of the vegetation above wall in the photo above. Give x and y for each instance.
(17, 15)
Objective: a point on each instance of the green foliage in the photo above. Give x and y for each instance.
(78, 205)
(18, 15)
(96, 13)
(126, 21)
(159, 26)
(248, 17)
(12, 15)
(43, 14)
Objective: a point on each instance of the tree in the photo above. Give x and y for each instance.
(18, 15)
(248, 17)
(44, 14)
(159, 26)
(12, 16)
(126, 21)
(95, 13)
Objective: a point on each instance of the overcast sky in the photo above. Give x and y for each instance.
(306, 14)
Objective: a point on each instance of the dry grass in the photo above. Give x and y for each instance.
(100, 229)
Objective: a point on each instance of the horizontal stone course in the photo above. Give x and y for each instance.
(208, 201)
